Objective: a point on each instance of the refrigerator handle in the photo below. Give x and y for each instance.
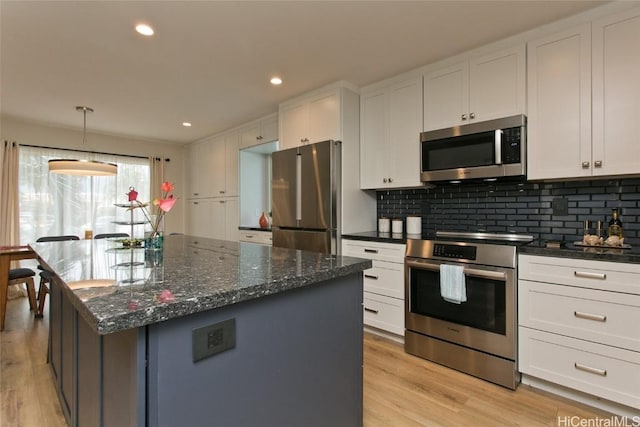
(298, 187)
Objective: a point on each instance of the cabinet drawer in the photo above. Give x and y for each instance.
(603, 371)
(384, 313)
(385, 278)
(261, 237)
(611, 276)
(604, 317)
(392, 252)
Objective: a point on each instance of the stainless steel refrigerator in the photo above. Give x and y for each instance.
(305, 192)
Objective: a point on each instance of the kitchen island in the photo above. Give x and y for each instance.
(221, 333)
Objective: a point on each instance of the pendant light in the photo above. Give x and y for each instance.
(83, 167)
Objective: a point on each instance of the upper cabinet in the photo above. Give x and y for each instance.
(559, 105)
(259, 131)
(574, 132)
(616, 94)
(390, 126)
(481, 88)
(213, 167)
(310, 119)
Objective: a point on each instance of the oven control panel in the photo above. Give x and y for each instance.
(454, 251)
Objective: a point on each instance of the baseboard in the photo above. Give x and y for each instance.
(587, 399)
(384, 334)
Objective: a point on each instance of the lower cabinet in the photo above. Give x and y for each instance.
(216, 218)
(383, 283)
(255, 236)
(578, 325)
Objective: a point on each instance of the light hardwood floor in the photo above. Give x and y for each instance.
(399, 389)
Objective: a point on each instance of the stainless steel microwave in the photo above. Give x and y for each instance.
(490, 149)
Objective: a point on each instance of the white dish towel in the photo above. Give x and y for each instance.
(452, 286)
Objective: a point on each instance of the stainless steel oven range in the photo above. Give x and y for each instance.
(475, 334)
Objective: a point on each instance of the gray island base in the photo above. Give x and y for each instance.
(289, 339)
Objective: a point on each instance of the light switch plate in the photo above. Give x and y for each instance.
(213, 339)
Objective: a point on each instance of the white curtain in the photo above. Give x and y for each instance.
(54, 204)
(157, 175)
(9, 214)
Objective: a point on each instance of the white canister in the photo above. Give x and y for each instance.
(414, 225)
(396, 226)
(384, 225)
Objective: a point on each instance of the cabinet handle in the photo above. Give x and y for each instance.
(586, 275)
(370, 276)
(196, 203)
(196, 194)
(585, 165)
(371, 310)
(464, 117)
(371, 251)
(581, 367)
(222, 201)
(222, 191)
(384, 180)
(390, 180)
(589, 316)
(249, 236)
(597, 163)
(472, 115)
(259, 137)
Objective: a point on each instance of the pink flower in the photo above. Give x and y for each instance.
(166, 204)
(163, 204)
(166, 296)
(166, 187)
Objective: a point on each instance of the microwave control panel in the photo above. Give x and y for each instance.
(511, 145)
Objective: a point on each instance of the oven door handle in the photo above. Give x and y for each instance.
(474, 272)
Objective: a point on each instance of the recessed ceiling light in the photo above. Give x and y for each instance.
(186, 124)
(276, 81)
(144, 29)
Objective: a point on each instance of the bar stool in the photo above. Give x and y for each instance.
(18, 276)
(46, 275)
(109, 235)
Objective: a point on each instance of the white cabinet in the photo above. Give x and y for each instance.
(332, 112)
(481, 88)
(256, 236)
(259, 131)
(383, 283)
(390, 126)
(616, 91)
(230, 167)
(216, 218)
(206, 167)
(311, 119)
(578, 325)
(559, 105)
(213, 167)
(582, 105)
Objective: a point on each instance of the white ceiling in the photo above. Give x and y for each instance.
(210, 61)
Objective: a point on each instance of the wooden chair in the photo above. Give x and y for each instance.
(108, 235)
(45, 275)
(18, 276)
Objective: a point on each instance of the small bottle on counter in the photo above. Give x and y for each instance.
(615, 225)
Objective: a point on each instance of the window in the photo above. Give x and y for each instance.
(54, 204)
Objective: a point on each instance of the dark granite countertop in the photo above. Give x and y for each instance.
(199, 274)
(569, 250)
(374, 236)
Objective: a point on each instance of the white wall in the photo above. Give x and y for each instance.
(255, 179)
(47, 136)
